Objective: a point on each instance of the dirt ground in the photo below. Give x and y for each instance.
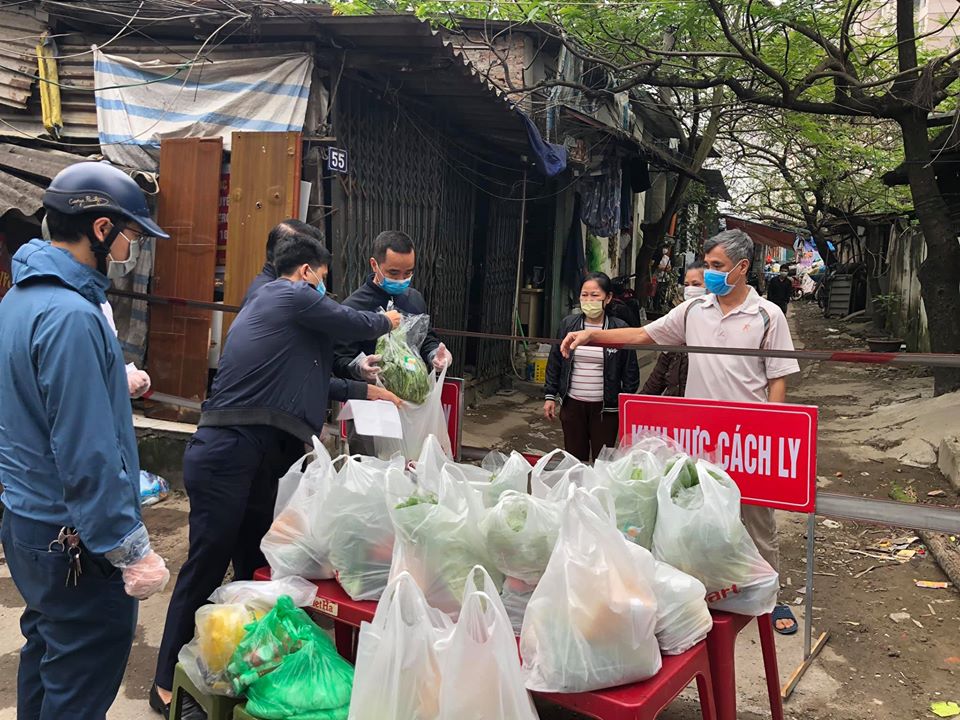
(873, 666)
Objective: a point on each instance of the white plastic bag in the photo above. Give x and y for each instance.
(543, 480)
(591, 621)
(431, 460)
(683, 618)
(699, 531)
(481, 676)
(359, 527)
(219, 629)
(438, 538)
(632, 476)
(262, 595)
(506, 474)
(295, 543)
(397, 671)
(419, 422)
(520, 532)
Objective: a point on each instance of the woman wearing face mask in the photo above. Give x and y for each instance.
(587, 385)
(669, 376)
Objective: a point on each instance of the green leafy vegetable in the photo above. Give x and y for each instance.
(403, 372)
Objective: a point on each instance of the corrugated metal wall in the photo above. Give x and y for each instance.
(408, 174)
(398, 180)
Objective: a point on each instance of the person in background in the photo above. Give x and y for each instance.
(780, 289)
(669, 376)
(732, 315)
(73, 537)
(268, 273)
(587, 385)
(273, 381)
(389, 281)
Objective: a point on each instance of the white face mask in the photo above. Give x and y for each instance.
(119, 268)
(692, 291)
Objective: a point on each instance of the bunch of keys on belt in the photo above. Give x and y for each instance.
(69, 542)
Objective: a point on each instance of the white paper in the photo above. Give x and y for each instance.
(305, 188)
(373, 417)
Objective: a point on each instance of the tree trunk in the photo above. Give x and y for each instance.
(940, 272)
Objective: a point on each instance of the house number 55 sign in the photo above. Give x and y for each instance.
(337, 160)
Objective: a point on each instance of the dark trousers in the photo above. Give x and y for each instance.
(586, 429)
(78, 638)
(230, 475)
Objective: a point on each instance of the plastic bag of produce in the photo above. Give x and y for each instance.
(507, 473)
(438, 538)
(591, 621)
(632, 476)
(263, 595)
(359, 526)
(402, 370)
(481, 677)
(683, 618)
(281, 632)
(419, 422)
(520, 532)
(699, 532)
(398, 671)
(313, 683)
(550, 470)
(294, 544)
(219, 629)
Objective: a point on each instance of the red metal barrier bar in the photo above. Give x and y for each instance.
(844, 356)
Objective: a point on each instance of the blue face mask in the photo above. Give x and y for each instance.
(716, 282)
(395, 287)
(320, 287)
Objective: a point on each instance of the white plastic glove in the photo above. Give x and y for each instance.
(138, 382)
(441, 358)
(369, 368)
(145, 577)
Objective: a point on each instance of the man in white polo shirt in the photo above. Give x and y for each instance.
(731, 315)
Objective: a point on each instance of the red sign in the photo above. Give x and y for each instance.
(769, 449)
(451, 398)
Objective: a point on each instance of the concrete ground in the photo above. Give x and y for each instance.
(872, 666)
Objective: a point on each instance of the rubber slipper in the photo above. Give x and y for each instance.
(783, 612)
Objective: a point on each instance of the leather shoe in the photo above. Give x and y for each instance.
(189, 709)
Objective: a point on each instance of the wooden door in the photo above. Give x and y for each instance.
(184, 267)
(264, 190)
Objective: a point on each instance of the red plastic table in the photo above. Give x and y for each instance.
(637, 701)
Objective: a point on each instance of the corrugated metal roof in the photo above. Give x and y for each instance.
(18, 194)
(20, 30)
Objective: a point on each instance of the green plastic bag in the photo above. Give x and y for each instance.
(403, 371)
(312, 684)
(280, 632)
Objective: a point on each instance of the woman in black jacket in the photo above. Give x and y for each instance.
(588, 385)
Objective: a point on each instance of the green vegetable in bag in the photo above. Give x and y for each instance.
(312, 684)
(280, 632)
(403, 372)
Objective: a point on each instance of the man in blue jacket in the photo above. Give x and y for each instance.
(72, 535)
(273, 381)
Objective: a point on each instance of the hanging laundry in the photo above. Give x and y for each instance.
(600, 194)
(550, 159)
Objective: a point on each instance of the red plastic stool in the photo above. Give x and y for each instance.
(720, 645)
(647, 699)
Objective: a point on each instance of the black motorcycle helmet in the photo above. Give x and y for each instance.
(91, 187)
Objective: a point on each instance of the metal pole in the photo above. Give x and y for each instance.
(514, 315)
(808, 609)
